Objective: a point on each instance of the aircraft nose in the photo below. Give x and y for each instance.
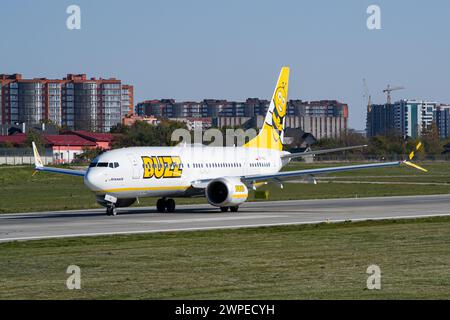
(92, 179)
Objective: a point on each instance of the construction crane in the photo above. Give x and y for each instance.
(388, 91)
(366, 95)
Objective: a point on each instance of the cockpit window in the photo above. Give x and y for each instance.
(104, 164)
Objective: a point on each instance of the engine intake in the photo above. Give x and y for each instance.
(224, 192)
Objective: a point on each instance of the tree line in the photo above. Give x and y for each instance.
(383, 146)
(391, 145)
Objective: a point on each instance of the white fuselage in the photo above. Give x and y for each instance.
(170, 171)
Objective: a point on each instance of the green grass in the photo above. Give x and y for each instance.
(22, 192)
(326, 261)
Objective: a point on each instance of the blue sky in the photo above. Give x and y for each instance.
(190, 50)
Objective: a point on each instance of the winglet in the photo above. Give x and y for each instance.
(408, 163)
(37, 158)
(411, 157)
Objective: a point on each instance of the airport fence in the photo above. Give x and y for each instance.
(23, 156)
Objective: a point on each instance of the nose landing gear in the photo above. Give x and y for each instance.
(111, 209)
(163, 205)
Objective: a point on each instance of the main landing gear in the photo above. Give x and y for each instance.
(163, 205)
(111, 209)
(232, 209)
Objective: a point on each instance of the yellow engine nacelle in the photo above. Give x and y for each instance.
(226, 192)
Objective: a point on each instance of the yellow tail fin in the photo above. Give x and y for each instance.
(272, 132)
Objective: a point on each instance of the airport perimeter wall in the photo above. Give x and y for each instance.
(22, 156)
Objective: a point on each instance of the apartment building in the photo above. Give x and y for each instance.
(324, 118)
(405, 117)
(442, 116)
(74, 102)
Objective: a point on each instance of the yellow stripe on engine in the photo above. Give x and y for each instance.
(240, 196)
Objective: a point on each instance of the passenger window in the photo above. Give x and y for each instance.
(111, 165)
(116, 164)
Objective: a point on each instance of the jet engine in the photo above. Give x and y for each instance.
(226, 192)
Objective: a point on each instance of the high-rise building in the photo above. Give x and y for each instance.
(187, 109)
(321, 108)
(417, 116)
(74, 102)
(158, 108)
(442, 116)
(383, 119)
(127, 100)
(405, 117)
(324, 119)
(256, 107)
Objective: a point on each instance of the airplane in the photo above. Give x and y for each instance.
(221, 174)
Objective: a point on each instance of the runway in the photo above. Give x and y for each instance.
(78, 223)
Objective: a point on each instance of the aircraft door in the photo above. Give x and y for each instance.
(136, 173)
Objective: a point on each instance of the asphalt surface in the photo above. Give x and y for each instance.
(59, 224)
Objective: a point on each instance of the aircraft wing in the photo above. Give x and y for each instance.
(288, 175)
(39, 166)
(316, 152)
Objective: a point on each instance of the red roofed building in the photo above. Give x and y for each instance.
(15, 139)
(66, 147)
(101, 140)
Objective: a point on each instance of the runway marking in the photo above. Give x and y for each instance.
(221, 227)
(249, 205)
(204, 219)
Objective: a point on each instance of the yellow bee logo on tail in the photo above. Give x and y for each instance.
(271, 134)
